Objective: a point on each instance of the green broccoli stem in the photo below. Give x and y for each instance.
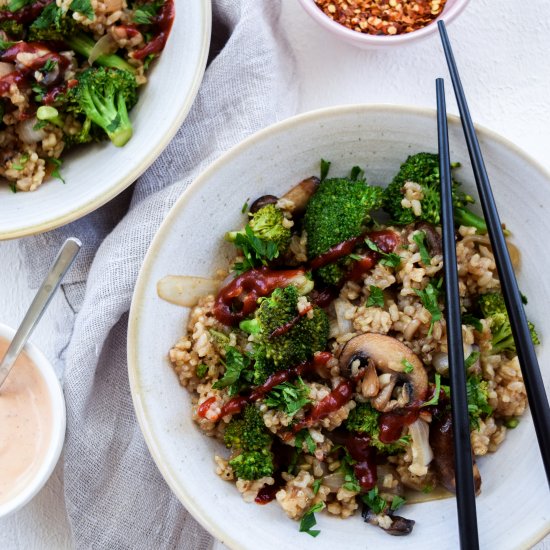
(463, 216)
(83, 44)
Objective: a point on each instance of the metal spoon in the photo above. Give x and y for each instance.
(43, 297)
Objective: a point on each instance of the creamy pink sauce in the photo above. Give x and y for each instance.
(25, 425)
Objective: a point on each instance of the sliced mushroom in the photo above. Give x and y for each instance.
(301, 193)
(370, 386)
(389, 356)
(441, 441)
(433, 239)
(393, 525)
(262, 201)
(513, 250)
(381, 402)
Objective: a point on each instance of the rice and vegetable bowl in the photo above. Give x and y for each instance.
(319, 357)
(69, 74)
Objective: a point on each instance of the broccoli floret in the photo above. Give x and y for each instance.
(339, 210)
(248, 436)
(298, 343)
(56, 25)
(14, 30)
(248, 432)
(423, 169)
(105, 96)
(264, 238)
(364, 419)
(493, 308)
(478, 399)
(253, 464)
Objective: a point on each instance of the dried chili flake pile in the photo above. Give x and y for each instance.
(382, 16)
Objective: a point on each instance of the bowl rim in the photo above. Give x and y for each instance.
(59, 419)
(379, 40)
(145, 161)
(143, 281)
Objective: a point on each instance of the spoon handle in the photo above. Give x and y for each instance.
(45, 293)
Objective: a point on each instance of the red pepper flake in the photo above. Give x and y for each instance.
(382, 17)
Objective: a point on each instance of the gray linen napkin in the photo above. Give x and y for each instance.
(115, 496)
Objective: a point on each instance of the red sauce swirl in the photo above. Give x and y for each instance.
(239, 298)
(392, 423)
(162, 25)
(337, 398)
(360, 450)
(205, 406)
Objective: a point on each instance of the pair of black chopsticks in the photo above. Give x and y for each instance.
(538, 401)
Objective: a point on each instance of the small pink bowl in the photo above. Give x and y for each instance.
(370, 41)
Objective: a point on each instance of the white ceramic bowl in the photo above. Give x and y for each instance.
(368, 41)
(514, 504)
(58, 429)
(96, 173)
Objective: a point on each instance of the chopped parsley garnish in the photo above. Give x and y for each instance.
(523, 297)
(57, 165)
(512, 423)
(15, 5)
(308, 520)
(245, 206)
(355, 257)
(435, 398)
(389, 260)
(325, 167)
(409, 367)
(357, 173)
(84, 7)
(397, 502)
(376, 297)
(420, 239)
(469, 319)
(374, 501)
(289, 397)
(235, 364)
(304, 435)
(351, 482)
(4, 45)
(471, 360)
(316, 485)
(201, 371)
(429, 298)
(144, 14)
(255, 250)
(49, 66)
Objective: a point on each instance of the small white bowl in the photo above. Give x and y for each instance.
(58, 429)
(370, 41)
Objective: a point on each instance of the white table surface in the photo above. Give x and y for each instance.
(502, 48)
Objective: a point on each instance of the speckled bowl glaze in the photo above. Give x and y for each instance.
(368, 41)
(514, 506)
(96, 173)
(57, 401)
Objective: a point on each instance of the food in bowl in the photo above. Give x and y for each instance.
(32, 425)
(69, 74)
(321, 360)
(382, 17)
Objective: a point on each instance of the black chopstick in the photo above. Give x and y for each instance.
(534, 384)
(464, 476)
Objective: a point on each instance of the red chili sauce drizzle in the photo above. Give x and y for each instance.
(162, 24)
(267, 493)
(20, 76)
(337, 398)
(205, 406)
(359, 448)
(392, 423)
(385, 240)
(239, 298)
(26, 14)
(235, 404)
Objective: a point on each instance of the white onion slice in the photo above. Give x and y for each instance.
(105, 45)
(341, 307)
(27, 133)
(185, 290)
